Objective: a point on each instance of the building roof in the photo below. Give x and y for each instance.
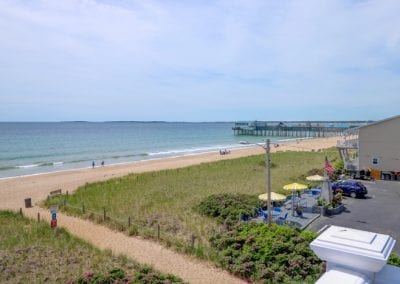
(373, 123)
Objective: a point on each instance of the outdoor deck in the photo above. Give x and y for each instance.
(295, 221)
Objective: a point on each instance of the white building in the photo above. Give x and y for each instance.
(373, 147)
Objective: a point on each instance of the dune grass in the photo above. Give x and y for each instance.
(168, 197)
(31, 252)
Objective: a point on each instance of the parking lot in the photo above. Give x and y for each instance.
(378, 212)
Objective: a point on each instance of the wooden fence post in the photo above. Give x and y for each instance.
(20, 211)
(104, 214)
(83, 208)
(38, 216)
(129, 221)
(193, 240)
(158, 231)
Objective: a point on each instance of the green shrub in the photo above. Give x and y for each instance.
(144, 275)
(339, 166)
(227, 208)
(275, 254)
(316, 171)
(312, 172)
(394, 260)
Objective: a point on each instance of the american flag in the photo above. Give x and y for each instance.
(328, 167)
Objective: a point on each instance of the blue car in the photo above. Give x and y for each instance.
(351, 188)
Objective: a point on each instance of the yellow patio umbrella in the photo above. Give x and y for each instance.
(293, 187)
(315, 178)
(274, 197)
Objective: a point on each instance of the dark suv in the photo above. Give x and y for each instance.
(350, 187)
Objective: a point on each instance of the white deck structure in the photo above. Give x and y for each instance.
(355, 256)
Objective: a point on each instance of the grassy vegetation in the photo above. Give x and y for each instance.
(168, 197)
(30, 252)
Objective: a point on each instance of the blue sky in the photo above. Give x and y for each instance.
(199, 60)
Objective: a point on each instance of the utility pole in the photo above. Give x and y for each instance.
(268, 162)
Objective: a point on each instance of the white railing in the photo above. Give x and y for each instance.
(352, 143)
(351, 165)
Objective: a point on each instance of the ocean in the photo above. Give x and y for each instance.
(28, 148)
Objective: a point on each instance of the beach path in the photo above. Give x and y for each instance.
(13, 191)
(143, 251)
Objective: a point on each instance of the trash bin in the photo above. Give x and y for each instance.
(376, 174)
(28, 203)
(386, 175)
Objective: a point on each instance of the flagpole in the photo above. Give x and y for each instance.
(326, 180)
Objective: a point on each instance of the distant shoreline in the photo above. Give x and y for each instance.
(192, 152)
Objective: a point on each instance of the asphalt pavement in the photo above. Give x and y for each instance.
(378, 212)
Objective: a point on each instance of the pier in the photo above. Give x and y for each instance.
(293, 129)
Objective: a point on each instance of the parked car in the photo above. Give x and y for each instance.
(351, 188)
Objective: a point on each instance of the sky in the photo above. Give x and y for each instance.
(199, 60)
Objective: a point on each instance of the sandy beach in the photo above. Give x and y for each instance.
(13, 191)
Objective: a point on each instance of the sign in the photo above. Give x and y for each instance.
(53, 211)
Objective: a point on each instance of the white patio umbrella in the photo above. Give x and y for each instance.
(274, 197)
(315, 178)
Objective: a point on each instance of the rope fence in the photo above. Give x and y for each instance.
(125, 224)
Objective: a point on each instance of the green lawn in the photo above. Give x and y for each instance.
(168, 197)
(30, 252)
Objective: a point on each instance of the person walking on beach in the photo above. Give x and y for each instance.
(93, 164)
(102, 163)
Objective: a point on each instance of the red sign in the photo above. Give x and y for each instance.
(53, 223)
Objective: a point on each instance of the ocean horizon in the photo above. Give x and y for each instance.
(28, 148)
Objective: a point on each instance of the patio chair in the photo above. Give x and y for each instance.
(260, 212)
(277, 209)
(265, 217)
(315, 193)
(282, 220)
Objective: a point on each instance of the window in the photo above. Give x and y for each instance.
(375, 161)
